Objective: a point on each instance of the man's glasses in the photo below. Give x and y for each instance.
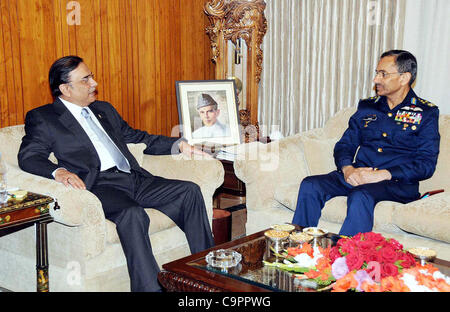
(384, 74)
(85, 80)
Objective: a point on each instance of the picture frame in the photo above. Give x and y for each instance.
(208, 112)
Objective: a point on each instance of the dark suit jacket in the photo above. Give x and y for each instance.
(53, 128)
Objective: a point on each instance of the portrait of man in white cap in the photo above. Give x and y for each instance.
(209, 112)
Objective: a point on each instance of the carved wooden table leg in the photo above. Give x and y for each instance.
(42, 257)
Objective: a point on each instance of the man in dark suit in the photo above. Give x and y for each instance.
(89, 137)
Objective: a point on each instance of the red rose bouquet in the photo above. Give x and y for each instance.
(378, 256)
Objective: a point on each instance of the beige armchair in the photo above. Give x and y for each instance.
(84, 249)
(272, 174)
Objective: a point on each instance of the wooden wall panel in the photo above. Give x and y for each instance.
(136, 49)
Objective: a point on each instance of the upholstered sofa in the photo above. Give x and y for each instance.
(84, 249)
(272, 174)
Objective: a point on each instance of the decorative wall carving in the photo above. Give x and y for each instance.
(233, 20)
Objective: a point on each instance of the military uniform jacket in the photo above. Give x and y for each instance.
(404, 140)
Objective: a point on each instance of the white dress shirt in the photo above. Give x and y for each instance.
(105, 158)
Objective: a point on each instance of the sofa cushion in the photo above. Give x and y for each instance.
(319, 157)
(158, 222)
(426, 217)
(11, 138)
(336, 125)
(137, 150)
(440, 179)
(319, 154)
(286, 194)
(335, 210)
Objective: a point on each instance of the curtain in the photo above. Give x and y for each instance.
(320, 56)
(427, 36)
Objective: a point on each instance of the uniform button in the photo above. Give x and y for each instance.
(380, 150)
(389, 114)
(385, 134)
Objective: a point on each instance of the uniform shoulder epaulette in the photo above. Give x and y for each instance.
(372, 99)
(425, 102)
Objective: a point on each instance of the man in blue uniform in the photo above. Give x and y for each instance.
(398, 139)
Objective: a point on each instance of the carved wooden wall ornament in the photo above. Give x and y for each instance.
(232, 20)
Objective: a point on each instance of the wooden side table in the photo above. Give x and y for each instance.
(231, 184)
(230, 196)
(19, 214)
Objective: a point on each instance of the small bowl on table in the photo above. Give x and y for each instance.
(299, 238)
(424, 254)
(315, 231)
(283, 227)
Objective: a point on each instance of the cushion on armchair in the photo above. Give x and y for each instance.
(426, 217)
(440, 179)
(319, 154)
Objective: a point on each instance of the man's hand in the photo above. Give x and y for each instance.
(189, 150)
(69, 179)
(364, 175)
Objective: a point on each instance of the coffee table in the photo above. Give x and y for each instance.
(192, 274)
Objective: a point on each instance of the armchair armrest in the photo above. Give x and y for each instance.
(77, 207)
(206, 172)
(265, 167)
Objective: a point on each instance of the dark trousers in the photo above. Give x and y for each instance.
(123, 197)
(361, 200)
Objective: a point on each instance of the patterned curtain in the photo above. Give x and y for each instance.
(320, 56)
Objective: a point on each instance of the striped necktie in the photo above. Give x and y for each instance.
(116, 154)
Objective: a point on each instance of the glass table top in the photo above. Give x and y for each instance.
(252, 270)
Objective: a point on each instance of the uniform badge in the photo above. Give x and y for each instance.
(408, 116)
(413, 107)
(368, 119)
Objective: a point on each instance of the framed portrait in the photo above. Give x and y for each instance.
(208, 112)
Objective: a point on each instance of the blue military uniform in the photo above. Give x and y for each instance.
(404, 140)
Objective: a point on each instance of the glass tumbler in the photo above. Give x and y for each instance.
(3, 189)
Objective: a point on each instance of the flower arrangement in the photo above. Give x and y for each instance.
(380, 257)
(365, 262)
